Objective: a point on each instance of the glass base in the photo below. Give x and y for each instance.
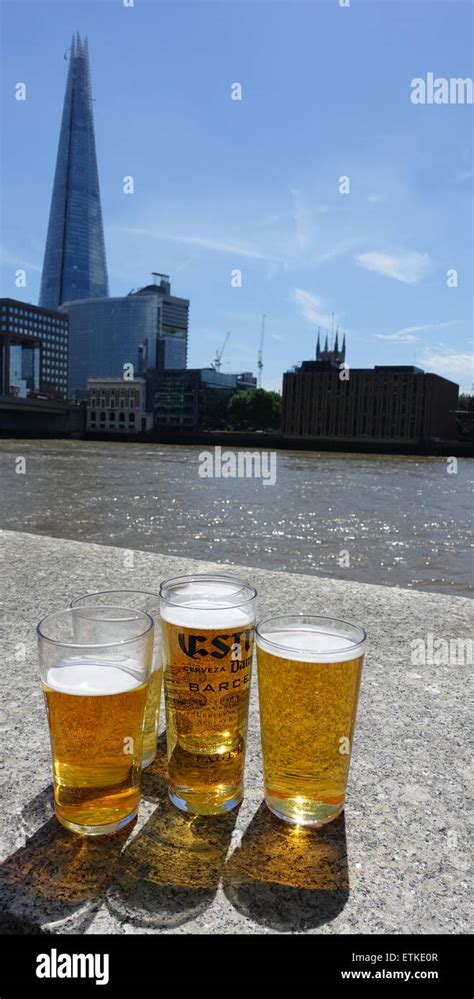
(303, 812)
(104, 830)
(205, 805)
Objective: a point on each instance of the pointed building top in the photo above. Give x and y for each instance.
(74, 265)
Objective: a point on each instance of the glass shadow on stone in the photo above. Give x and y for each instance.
(57, 879)
(154, 782)
(288, 877)
(171, 870)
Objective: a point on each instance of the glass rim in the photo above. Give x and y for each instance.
(80, 601)
(184, 579)
(316, 618)
(92, 645)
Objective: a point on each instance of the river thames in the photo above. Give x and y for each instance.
(398, 521)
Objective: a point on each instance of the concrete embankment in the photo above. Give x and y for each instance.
(397, 861)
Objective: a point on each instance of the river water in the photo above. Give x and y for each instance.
(399, 521)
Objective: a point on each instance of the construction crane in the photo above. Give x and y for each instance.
(218, 358)
(260, 353)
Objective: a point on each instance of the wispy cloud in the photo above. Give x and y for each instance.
(312, 307)
(399, 337)
(375, 198)
(463, 175)
(278, 338)
(300, 218)
(340, 248)
(407, 334)
(408, 267)
(448, 361)
(10, 259)
(231, 247)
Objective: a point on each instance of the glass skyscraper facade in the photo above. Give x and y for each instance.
(148, 329)
(106, 333)
(74, 264)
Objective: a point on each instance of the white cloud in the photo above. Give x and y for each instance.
(463, 175)
(374, 199)
(278, 338)
(14, 261)
(448, 361)
(406, 335)
(300, 218)
(233, 248)
(408, 267)
(312, 307)
(400, 337)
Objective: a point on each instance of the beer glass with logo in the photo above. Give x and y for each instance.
(208, 631)
(309, 672)
(149, 602)
(94, 673)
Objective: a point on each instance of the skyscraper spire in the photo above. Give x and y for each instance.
(336, 345)
(318, 346)
(326, 348)
(74, 265)
(343, 349)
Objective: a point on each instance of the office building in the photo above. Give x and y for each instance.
(33, 349)
(106, 333)
(387, 402)
(117, 406)
(193, 399)
(74, 265)
(172, 343)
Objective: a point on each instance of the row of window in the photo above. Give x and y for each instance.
(47, 336)
(132, 403)
(51, 320)
(103, 418)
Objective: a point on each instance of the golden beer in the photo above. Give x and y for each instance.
(95, 715)
(148, 602)
(95, 664)
(207, 655)
(309, 673)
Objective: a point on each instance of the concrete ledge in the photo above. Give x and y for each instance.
(396, 862)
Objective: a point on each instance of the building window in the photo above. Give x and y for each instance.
(102, 418)
(122, 418)
(131, 419)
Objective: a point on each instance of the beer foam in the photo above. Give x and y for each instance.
(86, 676)
(206, 606)
(306, 644)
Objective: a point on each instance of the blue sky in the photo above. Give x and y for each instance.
(254, 184)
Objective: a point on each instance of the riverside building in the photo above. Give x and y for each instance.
(117, 406)
(147, 328)
(323, 399)
(33, 349)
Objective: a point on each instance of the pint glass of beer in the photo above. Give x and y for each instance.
(309, 672)
(208, 630)
(94, 676)
(149, 602)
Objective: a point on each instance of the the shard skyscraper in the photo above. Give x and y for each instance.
(74, 265)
